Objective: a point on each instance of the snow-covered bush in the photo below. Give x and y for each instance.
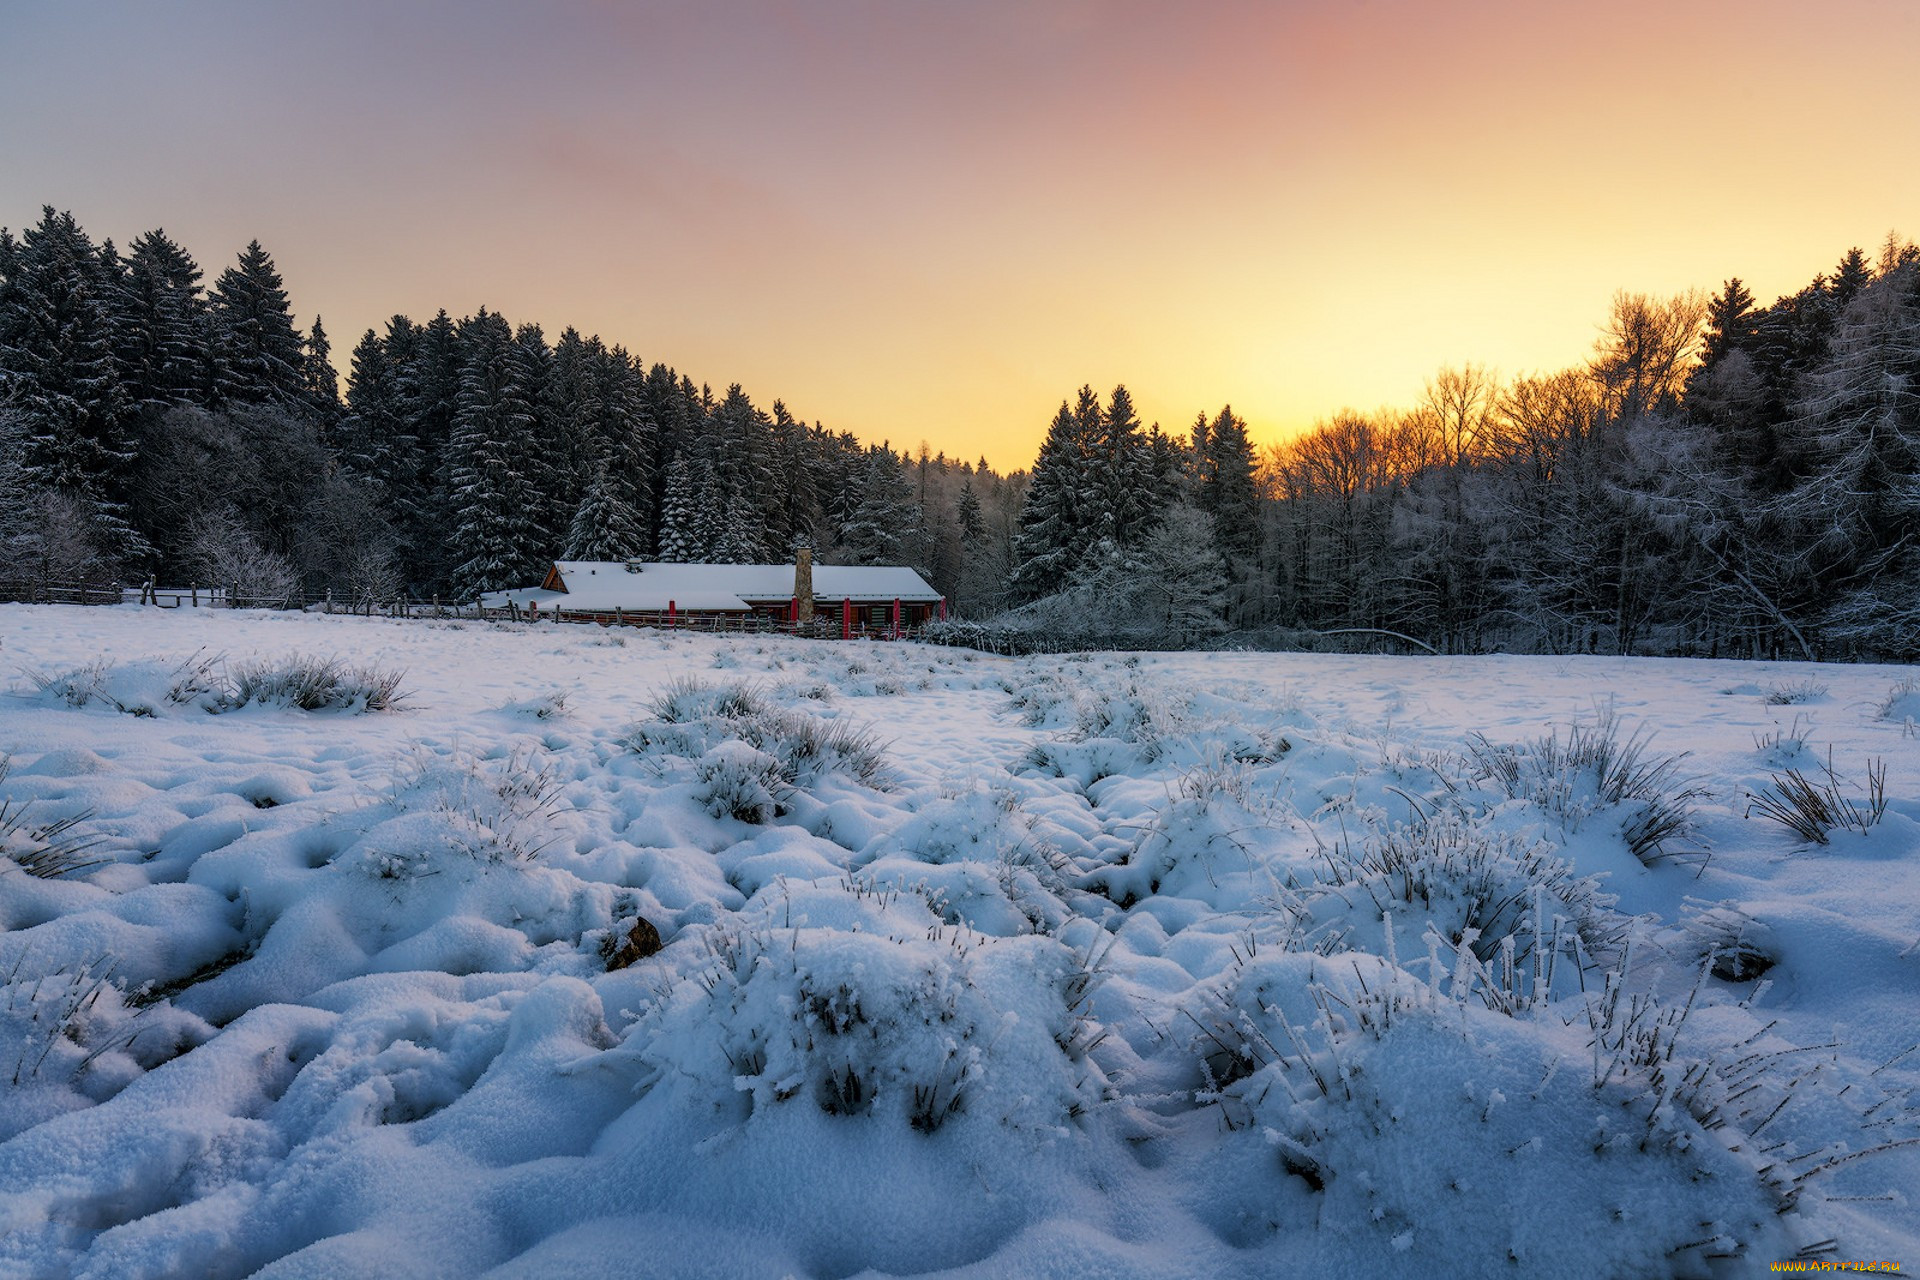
(988, 862)
(916, 1028)
(1503, 894)
(310, 683)
(749, 755)
(1218, 838)
(741, 781)
(504, 809)
(71, 1037)
(1595, 768)
(1391, 1109)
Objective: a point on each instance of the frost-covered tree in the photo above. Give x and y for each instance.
(605, 527)
(491, 503)
(687, 513)
(1054, 520)
(166, 357)
(259, 355)
(322, 384)
(60, 376)
(878, 529)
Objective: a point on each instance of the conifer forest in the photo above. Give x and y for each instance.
(1722, 477)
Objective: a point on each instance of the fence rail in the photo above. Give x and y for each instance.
(44, 591)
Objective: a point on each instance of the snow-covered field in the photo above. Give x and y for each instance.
(1176, 965)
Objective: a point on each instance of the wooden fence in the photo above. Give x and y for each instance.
(43, 591)
(824, 626)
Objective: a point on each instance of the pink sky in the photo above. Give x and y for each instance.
(932, 221)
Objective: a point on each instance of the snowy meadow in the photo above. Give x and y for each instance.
(353, 947)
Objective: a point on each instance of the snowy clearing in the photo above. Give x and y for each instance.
(1154, 966)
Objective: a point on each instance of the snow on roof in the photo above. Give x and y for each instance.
(601, 586)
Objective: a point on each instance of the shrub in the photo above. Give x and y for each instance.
(1594, 768)
(310, 683)
(749, 755)
(1504, 896)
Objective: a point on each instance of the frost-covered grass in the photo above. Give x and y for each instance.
(645, 953)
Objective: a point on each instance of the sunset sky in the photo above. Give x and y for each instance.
(932, 221)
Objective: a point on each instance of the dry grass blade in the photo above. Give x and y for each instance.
(50, 850)
(1813, 807)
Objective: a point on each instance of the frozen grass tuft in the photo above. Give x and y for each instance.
(81, 687)
(1793, 693)
(896, 1027)
(1901, 706)
(1814, 805)
(306, 683)
(1505, 896)
(501, 810)
(49, 850)
(310, 683)
(1595, 767)
(1732, 944)
(750, 755)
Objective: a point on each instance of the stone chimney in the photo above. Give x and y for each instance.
(803, 584)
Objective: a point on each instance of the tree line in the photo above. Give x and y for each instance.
(150, 426)
(1719, 478)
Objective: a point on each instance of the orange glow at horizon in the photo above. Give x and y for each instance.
(935, 222)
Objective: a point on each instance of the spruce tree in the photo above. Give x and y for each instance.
(57, 358)
(1123, 469)
(1053, 519)
(322, 384)
(876, 532)
(1227, 490)
(489, 500)
(604, 527)
(165, 353)
(258, 354)
(686, 513)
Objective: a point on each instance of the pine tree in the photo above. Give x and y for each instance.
(489, 499)
(1054, 520)
(57, 343)
(877, 531)
(686, 513)
(604, 527)
(258, 354)
(627, 438)
(322, 384)
(165, 342)
(1227, 489)
(1124, 507)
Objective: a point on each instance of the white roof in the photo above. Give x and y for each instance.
(601, 586)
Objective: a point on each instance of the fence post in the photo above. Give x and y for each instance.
(233, 599)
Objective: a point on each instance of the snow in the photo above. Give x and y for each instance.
(1118, 965)
(601, 586)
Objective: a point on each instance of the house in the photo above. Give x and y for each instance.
(816, 599)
